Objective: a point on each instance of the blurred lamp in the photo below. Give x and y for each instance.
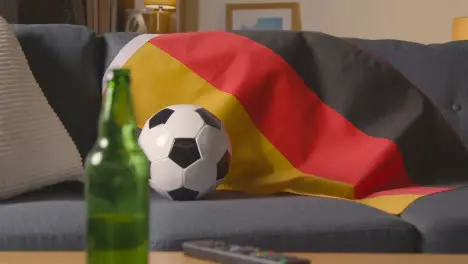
(152, 16)
(460, 28)
(161, 4)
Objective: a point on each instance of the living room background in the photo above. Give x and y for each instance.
(416, 20)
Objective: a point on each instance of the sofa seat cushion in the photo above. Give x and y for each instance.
(442, 220)
(282, 223)
(53, 219)
(49, 219)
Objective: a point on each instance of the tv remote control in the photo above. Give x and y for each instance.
(225, 253)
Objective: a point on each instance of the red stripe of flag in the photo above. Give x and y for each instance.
(315, 138)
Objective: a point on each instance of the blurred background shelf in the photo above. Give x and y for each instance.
(43, 11)
(96, 14)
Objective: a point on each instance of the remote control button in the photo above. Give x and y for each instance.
(247, 251)
(243, 250)
(234, 248)
(219, 244)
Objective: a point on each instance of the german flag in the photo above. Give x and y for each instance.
(307, 114)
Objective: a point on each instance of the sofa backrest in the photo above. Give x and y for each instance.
(68, 63)
(439, 70)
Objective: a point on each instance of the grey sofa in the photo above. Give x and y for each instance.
(68, 62)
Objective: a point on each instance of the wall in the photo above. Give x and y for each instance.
(424, 21)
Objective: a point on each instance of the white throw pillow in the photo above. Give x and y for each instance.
(35, 148)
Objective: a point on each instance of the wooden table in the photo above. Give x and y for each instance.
(178, 258)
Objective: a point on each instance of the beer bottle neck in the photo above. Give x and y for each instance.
(117, 121)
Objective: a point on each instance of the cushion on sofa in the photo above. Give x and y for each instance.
(442, 220)
(53, 218)
(35, 148)
(67, 62)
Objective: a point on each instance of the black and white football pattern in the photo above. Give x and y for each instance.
(189, 151)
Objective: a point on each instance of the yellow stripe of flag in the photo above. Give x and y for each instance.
(159, 80)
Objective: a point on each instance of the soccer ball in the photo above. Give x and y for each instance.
(189, 151)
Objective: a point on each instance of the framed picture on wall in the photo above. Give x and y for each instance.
(263, 16)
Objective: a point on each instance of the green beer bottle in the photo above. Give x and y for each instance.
(117, 191)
